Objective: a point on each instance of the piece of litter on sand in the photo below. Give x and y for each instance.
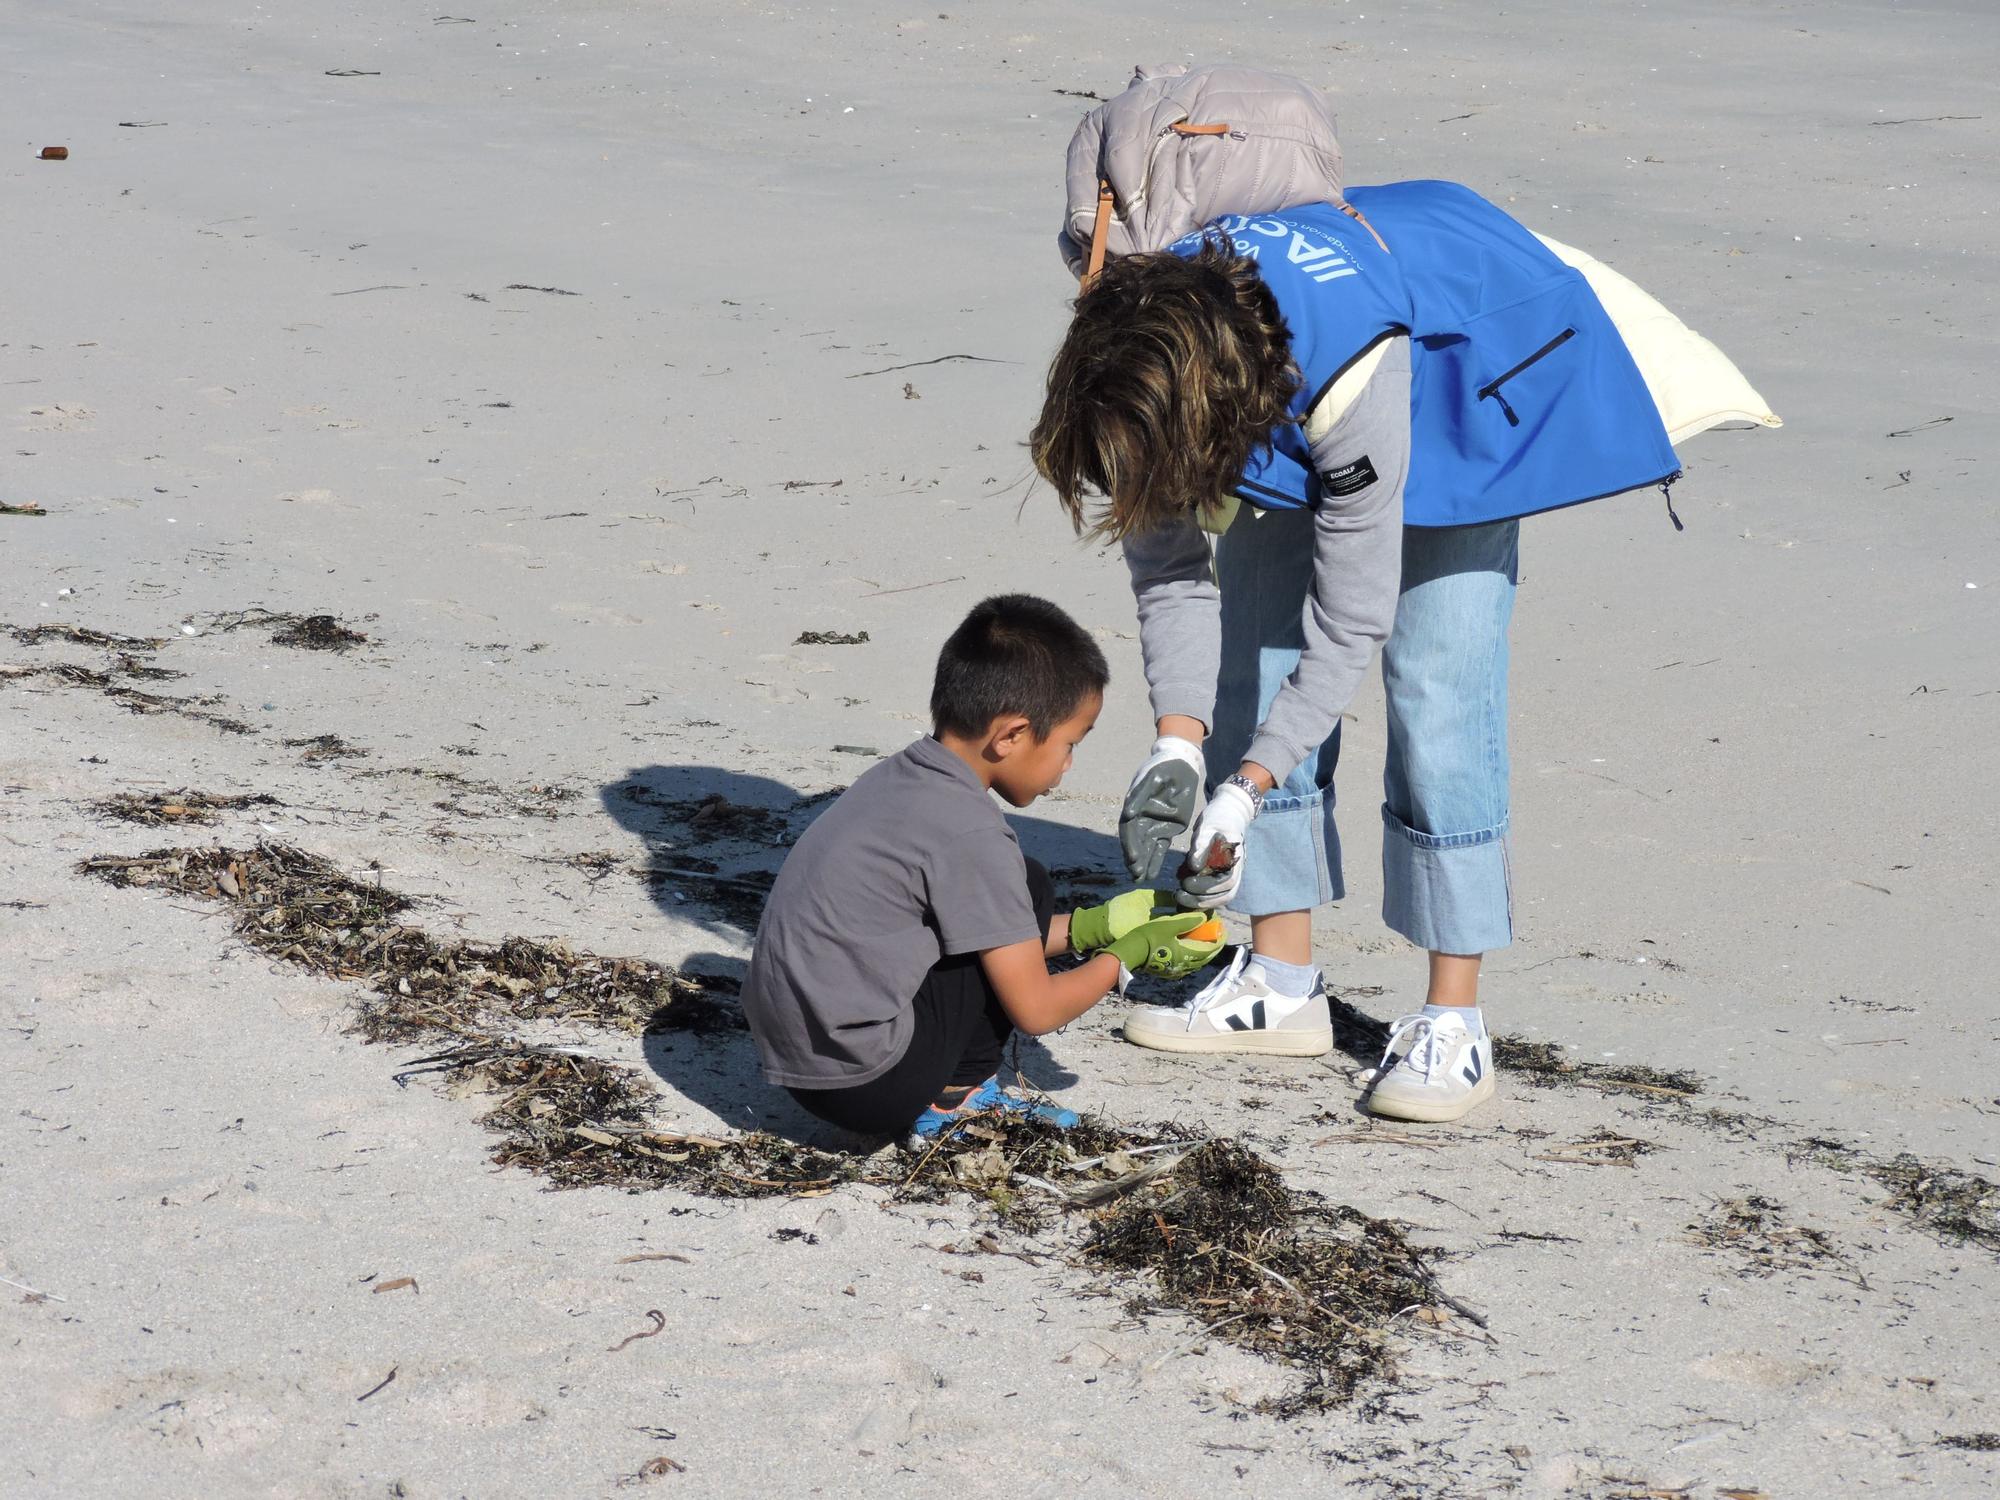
(856, 750)
(33, 1291)
(380, 1385)
(659, 1322)
(832, 638)
(28, 509)
(399, 1284)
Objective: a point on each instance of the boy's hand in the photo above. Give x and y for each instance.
(1094, 928)
(1159, 805)
(1167, 946)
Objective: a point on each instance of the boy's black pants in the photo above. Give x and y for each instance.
(960, 1030)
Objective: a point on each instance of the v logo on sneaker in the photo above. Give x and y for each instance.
(1235, 1021)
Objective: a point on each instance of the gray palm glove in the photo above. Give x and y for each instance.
(1160, 805)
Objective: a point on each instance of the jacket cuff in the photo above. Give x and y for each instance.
(1279, 757)
(1194, 699)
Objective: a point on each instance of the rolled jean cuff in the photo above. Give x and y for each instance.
(1291, 857)
(1447, 892)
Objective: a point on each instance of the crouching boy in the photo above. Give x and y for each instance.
(907, 937)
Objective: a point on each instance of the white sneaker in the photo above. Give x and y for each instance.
(1237, 1012)
(1442, 1074)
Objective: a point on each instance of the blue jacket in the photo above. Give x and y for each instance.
(1523, 396)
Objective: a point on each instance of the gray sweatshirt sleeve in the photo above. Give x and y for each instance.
(1180, 618)
(1363, 461)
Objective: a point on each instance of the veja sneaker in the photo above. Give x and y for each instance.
(1237, 1012)
(987, 1098)
(1442, 1073)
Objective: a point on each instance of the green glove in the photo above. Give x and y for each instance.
(1162, 945)
(1094, 928)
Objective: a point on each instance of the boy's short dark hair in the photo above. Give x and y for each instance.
(1015, 654)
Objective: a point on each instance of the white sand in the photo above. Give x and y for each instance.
(243, 365)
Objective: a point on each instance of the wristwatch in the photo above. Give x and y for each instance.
(1254, 791)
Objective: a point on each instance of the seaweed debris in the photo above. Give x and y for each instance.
(1971, 1442)
(299, 907)
(1601, 1148)
(831, 638)
(1549, 1065)
(1317, 1288)
(78, 635)
(1754, 1227)
(1954, 1206)
(713, 814)
(738, 899)
(318, 747)
(1271, 1270)
(301, 632)
(160, 809)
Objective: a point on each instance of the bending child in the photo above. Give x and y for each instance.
(907, 937)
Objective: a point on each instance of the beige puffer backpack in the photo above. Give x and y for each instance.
(1182, 146)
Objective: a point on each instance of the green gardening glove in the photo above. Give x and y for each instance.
(1164, 945)
(1092, 929)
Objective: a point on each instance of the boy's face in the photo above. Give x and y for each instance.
(1032, 767)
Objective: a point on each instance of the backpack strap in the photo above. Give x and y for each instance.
(1356, 215)
(1100, 231)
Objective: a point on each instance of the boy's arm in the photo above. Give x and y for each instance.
(1037, 1001)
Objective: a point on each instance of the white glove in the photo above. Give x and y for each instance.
(1159, 805)
(1214, 865)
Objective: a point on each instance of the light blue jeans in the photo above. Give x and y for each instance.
(1445, 878)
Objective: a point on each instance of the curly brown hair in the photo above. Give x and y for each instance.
(1174, 371)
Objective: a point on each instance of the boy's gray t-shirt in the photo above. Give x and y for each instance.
(912, 863)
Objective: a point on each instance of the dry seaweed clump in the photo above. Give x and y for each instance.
(1548, 1065)
(299, 907)
(162, 809)
(300, 632)
(1755, 1228)
(79, 635)
(1270, 1270)
(1953, 1205)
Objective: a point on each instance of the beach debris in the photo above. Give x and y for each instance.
(324, 747)
(1079, 94)
(7, 509)
(161, 809)
(301, 632)
(55, 153)
(553, 291)
(140, 124)
(380, 1385)
(831, 638)
(1971, 1442)
(1921, 427)
(918, 364)
(124, 664)
(814, 484)
(1549, 1065)
(910, 392)
(78, 635)
(400, 1283)
(1272, 1270)
(653, 1468)
(354, 72)
(1601, 1148)
(653, 1315)
(1954, 1206)
(1754, 1227)
(1207, 1226)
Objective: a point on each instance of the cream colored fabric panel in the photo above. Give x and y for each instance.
(1694, 384)
(1334, 404)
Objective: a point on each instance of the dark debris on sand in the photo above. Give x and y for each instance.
(1957, 1207)
(318, 747)
(1208, 1226)
(167, 809)
(300, 632)
(1756, 1228)
(78, 635)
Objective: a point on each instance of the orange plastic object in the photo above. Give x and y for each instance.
(55, 153)
(1209, 932)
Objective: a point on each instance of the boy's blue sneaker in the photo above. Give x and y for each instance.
(934, 1123)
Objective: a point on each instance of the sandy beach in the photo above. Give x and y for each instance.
(431, 435)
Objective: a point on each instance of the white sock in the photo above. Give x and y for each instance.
(1475, 1021)
(1293, 981)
